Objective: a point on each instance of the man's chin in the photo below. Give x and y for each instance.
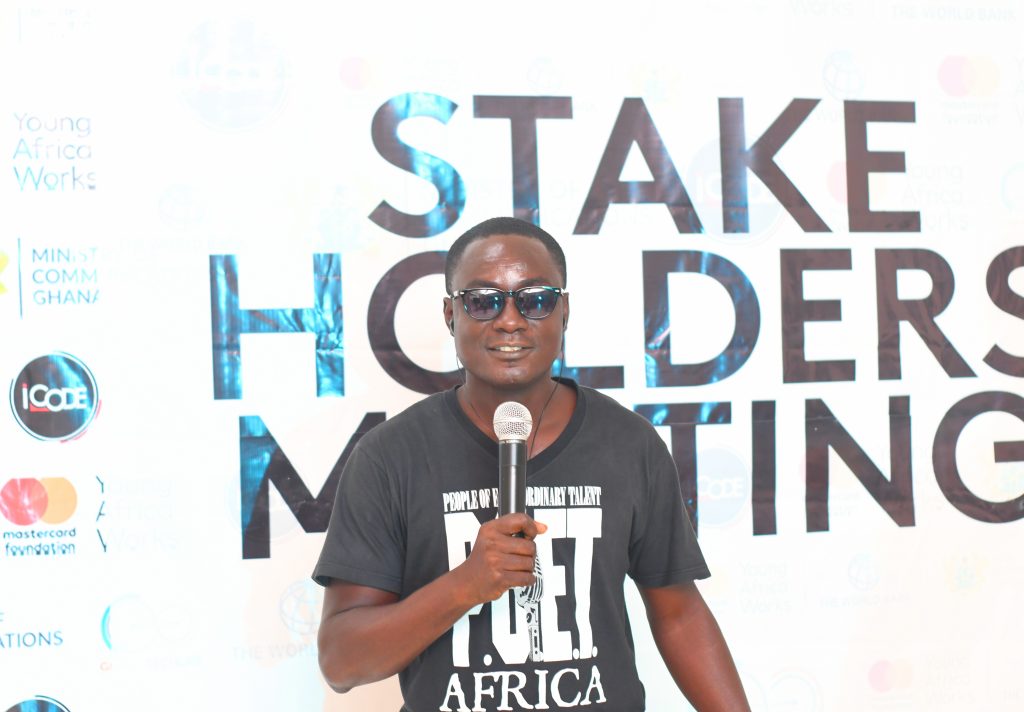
(520, 382)
(505, 377)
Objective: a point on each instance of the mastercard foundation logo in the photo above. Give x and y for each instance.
(25, 501)
(974, 76)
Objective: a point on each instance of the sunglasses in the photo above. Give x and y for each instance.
(485, 303)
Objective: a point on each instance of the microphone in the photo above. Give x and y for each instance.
(512, 425)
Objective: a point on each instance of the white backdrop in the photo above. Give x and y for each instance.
(141, 141)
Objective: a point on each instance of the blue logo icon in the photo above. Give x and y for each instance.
(39, 703)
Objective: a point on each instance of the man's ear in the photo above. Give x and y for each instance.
(449, 315)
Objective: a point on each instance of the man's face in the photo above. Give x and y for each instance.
(509, 351)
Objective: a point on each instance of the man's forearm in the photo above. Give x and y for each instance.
(367, 634)
(372, 642)
(694, 649)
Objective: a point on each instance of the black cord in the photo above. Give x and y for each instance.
(540, 418)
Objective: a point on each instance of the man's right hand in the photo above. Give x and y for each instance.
(502, 558)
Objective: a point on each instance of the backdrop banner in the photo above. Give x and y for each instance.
(793, 232)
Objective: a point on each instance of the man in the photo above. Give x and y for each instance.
(422, 579)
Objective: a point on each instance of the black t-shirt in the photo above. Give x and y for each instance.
(416, 489)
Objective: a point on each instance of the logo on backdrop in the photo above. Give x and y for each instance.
(29, 503)
(300, 608)
(61, 276)
(26, 639)
(4, 261)
(39, 703)
(25, 501)
(232, 75)
(53, 153)
(55, 397)
(36, 516)
(46, 276)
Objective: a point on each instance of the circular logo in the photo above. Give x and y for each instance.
(39, 703)
(842, 75)
(300, 607)
(704, 180)
(54, 397)
(723, 484)
(232, 75)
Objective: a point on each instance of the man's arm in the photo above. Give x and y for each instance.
(367, 634)
(693, 648)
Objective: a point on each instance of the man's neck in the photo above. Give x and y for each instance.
(480, 401)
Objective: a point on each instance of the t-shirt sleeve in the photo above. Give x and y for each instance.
(365, 542)
(663, 546)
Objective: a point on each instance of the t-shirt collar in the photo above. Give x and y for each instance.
(534, 464)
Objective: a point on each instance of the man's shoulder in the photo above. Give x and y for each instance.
(605, 411)
(417, 420)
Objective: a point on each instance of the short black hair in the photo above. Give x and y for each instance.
(501, 226)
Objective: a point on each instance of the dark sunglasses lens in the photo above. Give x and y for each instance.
(483, 303)
(536, 303)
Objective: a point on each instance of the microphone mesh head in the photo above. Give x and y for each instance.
(512, 421)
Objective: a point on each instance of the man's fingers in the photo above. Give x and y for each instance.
(504, 554)
(512, 545)
(512, 523)
(520, 579)
(516, 546)
(512, 562)
(517, 523)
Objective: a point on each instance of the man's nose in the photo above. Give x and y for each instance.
(509, 319)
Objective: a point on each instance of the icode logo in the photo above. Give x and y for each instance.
(25, 501)
(39, 703)
(40, 399)
(54, 397)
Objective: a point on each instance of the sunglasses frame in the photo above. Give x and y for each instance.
(514, 295)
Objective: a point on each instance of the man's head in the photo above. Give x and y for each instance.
(512, 348)
(501, 226)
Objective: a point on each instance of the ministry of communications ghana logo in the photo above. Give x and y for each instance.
(54, 397)
(4, 261)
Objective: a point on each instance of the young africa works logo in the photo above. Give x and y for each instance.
(55, 397)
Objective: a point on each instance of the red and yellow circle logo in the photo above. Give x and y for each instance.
(25, 501)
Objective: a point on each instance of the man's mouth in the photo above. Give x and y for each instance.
(508, 349)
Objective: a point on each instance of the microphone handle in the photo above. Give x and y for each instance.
(511, 476)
